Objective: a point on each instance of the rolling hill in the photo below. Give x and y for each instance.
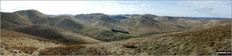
(214, 23)
(183, 22)
(197, 42)
(144, 25)
(12, 21)
(84, 24)
(30, 32)
(34, 16)
(54, 28)
(52, 33)
(99, 26)
(68, 23)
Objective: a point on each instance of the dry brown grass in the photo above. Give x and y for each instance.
(101, 50)
(64, 50)
(202, 41)
(76, 49)
(24, 42)
(26, 49)
(208, 36)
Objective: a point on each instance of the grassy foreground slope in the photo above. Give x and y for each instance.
(16, 43)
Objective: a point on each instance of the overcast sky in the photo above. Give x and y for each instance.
(160, 8)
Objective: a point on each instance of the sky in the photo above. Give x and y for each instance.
(160, 8)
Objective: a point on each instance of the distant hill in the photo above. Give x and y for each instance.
(183, 22)
(215, 23)
(207, 18)
(61, 15)
(127, 16)
(144, 24)
(119, 16)
(87, 18)
(150, 15)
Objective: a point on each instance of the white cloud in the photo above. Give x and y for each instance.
(73, 7)
(145, 5)
(205, 9)
(185, 5)
(208, 8)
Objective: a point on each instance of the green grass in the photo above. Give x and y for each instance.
(133, 29)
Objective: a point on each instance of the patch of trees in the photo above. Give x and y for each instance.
(115, 31)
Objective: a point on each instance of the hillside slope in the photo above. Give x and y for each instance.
(198, 42)
(68, 23)
(34, 16)
(144, 25)
(183, 22)
(215, 23)
(52, 33)
(23, 44)
(12, 21)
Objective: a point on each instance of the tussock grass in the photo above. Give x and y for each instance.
(63, 50)
(26, 49)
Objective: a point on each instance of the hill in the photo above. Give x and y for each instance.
(136, 26)
(145, 25)
(100, 25)
(54, 28)
(197, 42)
(67, 23)
(214, 23)
(208, 18)
(52, 33)
(33, 15)
(83, 23)
(183, 22)
(12, 21)
(30, 32)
